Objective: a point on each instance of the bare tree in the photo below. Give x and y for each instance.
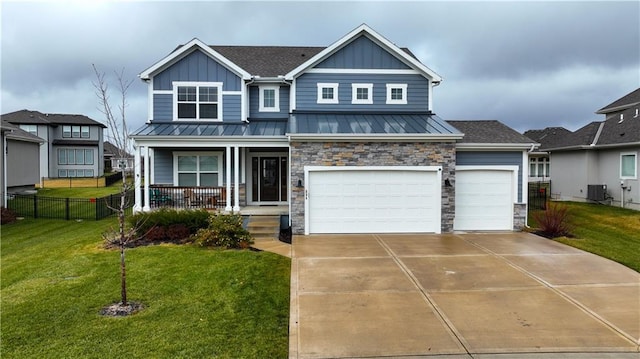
(117, 126)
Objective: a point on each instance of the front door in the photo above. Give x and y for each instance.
(269, 179)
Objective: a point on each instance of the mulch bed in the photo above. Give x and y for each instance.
(119, 310)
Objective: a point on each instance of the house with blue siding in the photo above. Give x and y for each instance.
(341, 139)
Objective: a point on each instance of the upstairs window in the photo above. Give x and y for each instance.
(361, 93)
(197, 101)
(269, 99)
(32, 129)
(628, 165)
(397, 94)
(75, 131)
(327, 93)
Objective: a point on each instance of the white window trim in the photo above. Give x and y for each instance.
(536, 161)
(276, 107)
(177, 84)
(332, 85)
(403, 100)
(635, 165)
(354, 92)
(218, 154)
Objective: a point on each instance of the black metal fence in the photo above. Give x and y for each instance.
(539, 195)
(67, 208)
(112, 178)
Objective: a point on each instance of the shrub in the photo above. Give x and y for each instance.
(226, 231)
(164, 218)
(7, 216)
(177, 232)
(554, 221)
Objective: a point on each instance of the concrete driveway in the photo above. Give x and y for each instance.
(505, 295)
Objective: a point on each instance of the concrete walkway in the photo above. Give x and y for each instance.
(506, 295)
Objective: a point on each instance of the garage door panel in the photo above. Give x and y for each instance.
(373, 201)
(484, 200)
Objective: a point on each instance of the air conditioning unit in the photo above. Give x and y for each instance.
(596, 192)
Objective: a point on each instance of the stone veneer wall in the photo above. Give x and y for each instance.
(519, 216)
(372, 154)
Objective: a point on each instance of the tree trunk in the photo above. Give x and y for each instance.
(123, 238)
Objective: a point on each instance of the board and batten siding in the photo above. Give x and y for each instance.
(197, 67)
(362, 53)
(417, 92)
(163, 166)
(491, 158)
(254, 103)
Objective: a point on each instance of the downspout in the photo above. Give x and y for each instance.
(246, 104)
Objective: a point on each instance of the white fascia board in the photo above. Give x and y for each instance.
(374, 137)
(377, 38)
(186, 50)
(617, 108)
(209, 143)
(493, 146)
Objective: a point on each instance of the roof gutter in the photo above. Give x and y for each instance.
(496, 146)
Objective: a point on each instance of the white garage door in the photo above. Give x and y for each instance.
(484, 200)
(373, 201)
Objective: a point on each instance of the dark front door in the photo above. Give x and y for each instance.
(269, 178)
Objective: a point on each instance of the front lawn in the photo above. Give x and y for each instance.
(610, 232)
(81, 192)
(199, 302)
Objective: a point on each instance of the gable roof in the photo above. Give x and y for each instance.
(628, 100)
(28, 117)
(364, 30)
(182, 51)
(112, 150)
(268, 61)
(490, 132)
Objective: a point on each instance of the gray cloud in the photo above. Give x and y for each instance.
(529, 65)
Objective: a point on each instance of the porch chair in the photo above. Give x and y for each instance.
(160, 199)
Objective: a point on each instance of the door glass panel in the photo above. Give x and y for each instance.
(283, 179)
(254, 175)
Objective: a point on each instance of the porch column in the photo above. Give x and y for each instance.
(236, 179)
(137, 177)
(228, 182)
(147, 178)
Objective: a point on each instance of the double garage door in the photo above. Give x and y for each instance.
(404, 200)
(373, 200)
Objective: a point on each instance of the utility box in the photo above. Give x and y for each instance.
(596, 192)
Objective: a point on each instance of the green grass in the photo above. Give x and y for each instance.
(199, 302)
(91, 192)
(610, 232)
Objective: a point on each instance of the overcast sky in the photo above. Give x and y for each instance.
(528, 65)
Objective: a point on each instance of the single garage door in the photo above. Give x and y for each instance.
(484, 200)
(373, 201)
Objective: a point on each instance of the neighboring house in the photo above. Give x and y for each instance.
(599, 162)
(73, 143)
(344, 136)
(539, 167)
(19, 161)
(115, 159)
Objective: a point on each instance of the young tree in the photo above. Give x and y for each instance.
(117, 134)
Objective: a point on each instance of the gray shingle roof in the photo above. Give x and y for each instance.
(39, 118)
(16, 132)
(548, 137)
(111, 149)
(616, 131)
(629, 99)
(271, 61)
(489, 131)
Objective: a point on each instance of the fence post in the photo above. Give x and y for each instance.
(66, 209)
(35, 206)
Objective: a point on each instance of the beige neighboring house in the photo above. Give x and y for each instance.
(599, 162)
(20, 160)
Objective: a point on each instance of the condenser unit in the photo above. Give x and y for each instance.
(596, 192)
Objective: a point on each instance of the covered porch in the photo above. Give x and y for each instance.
(197, 166)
